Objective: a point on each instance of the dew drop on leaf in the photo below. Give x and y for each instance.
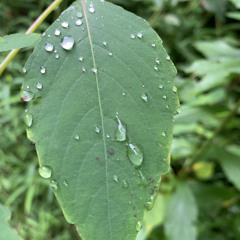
(67, 43)
(80, 59)
(157, 61)
(139, 226)
(124, 184)
(174, 88)
(57, 56)
(79, 15)
(164, 97)
(49, 47)
(65, 183)
(135, 155)
(57, 32)
(120, 133)
(83, 69)
(45, 171)
(54, 184)
(115, 178)
(132, 36)
(144, 97)
(77, 137)
(78, 22)
(65, 24)
(105, 43)
(94, 70)
(28, 119)
(110, 54)
(153, 45)
(155, 68)
(26, 96)
(160, 86)
(97, 130)
(39, 86)
(24, 70)
(168, 58)
(91, 8)
(139, 35)
(163, 134)
(42, 70)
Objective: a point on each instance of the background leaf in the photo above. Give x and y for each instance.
(103, 123)
(18, 40)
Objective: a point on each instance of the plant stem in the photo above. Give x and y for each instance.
(31, 29)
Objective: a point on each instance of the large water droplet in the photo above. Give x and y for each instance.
(139, 226)
(57, 32)
(78, 22)
(67, 43)
(65, 24)
(144, 97)
(54, 184)
(26, 96)
(42, 70)
(49, 47)
(28, 119)
(39, 86)
(120, 131)
(135, 155)
(115, 178)
(45, 171)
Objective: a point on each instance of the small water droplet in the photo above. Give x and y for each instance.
(132, 36)
(160, 86)
(28, 119)
(65, 183)
(91, 8)
(67, 43)
(26, 96)
(178, 110)
(49, 35)
(78, 22)
(39, 85)
(121, 131)
(105, 43)
(115, 178)
(155, 68)
(94, 70)
(43, 34)
(143, 180)
(164, 134)
(174, 89)
(135, 155)
(42, 70)
(110, 54)
(107, 136)
(45, 171)
(124, 94)
(24, 70)
(65, 24)
(153, 45)
(81, 59)
(48, 47)
(57, 32)
(83, 69)
(124, 184)
(79, 15)
(168, 57)
(139, 35)
(164, 97)
(77, 137)
(27, 87)
(97, 130)
(57, 56)
(157, 61)
(139, 226)
(144, 97)
(54, 184)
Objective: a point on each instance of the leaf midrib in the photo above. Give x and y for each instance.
(100, 108)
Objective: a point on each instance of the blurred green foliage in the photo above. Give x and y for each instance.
(199, 198)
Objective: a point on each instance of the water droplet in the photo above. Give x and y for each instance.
(124, 94)
(54, 184)
(163, 134)
(101, 1)
(124, 184)
(160, 86)
(81, 59)
(121, 131)
(178, 110)
(49, 35)
(110, 54)
(77, 137)
(67, 43)
(132, 36)
(39, 85)
(57, 32)
(95, 70)
(107, 136)
(157, 61)
(155, 68)
(139, 35)
(26, 96)
(43, 34)
(115, 178)
(83, 69)
(27, 87)
(78, 22)
(45, 171)
(150, 203)
(168, 58)
(79, 15)
(139, 226)
(164, 97)
(57, 56)
(153, 45)
(143, 180)
(135, 155)
(28, 119)
(91, 8)
(97, 130)
(65, 183)
(48, 47)
(24, 70)
(174, 89)
(42, 70)
(65, 24)
(105, 43)
(144, 97)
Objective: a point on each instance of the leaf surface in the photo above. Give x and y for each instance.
(102, 125)
(18, 40)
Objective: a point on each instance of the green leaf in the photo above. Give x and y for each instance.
(6, 232)
(181, 214)
(102, 126)
(234, 15)
(18, 40)
(236, 3)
